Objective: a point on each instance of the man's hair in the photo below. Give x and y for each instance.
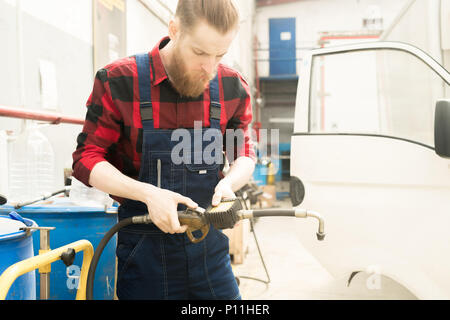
(220, 14)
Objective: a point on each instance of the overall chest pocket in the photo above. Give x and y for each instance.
(201, 169)
(201, 179)
(201, 172)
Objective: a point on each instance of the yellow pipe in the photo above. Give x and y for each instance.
(16, 270)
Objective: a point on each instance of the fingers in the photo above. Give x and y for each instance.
(187, 201)
(169, 224)
(165, 217)
(217, 197)
(223, 191)
(175, 226)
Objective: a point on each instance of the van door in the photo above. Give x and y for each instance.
(363, 147)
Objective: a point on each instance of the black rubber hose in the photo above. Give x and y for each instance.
(98, 253)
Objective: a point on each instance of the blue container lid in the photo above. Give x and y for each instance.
(11, 225)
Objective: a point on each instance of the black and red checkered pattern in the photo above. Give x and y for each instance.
(113, 127)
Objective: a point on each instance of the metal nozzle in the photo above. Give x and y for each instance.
(320, 236)
(298, 213)
(303, 213)
(321, 233)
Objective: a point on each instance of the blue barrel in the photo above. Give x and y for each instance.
(15, 246)
(75, 223)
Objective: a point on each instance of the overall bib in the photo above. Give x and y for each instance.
(156, 265)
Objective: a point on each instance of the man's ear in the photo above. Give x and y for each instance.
(174, 28)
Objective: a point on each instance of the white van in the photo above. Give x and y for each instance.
(371, 153)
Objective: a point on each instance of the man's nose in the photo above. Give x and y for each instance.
(209, 64)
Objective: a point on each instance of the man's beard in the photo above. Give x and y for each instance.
(186, 84)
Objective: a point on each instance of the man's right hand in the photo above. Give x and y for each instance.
(162, 208)
(161, 203)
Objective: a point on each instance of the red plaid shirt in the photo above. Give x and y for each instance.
(113, 127)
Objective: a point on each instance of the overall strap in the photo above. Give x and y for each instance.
(143, 68)
(215, 106)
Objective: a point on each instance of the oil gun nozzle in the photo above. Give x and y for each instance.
(320, 236)
(320, 233)
(296, 212)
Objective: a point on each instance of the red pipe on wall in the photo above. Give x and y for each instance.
(54, 118)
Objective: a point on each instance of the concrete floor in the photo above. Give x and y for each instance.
(295, 274)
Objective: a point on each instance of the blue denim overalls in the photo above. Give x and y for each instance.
(156, 265)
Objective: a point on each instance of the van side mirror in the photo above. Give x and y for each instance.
(442, 128)
(296, 191)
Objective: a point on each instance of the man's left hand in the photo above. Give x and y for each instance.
(222, 191)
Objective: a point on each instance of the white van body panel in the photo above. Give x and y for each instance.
(385, 200)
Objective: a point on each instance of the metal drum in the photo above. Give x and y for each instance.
(15, 246)
(75, 223)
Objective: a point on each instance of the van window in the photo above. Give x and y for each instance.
(378, 91)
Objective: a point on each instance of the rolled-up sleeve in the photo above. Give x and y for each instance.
(100, 132)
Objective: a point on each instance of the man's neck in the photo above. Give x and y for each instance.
(166, 54)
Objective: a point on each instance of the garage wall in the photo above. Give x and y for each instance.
(240, 55)
(144, 30)
(32, 32)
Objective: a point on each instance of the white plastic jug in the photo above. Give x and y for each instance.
(82, 195)
(31, 166)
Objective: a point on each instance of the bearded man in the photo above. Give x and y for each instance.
(126, 150)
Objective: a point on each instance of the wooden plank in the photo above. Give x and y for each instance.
(238, 240)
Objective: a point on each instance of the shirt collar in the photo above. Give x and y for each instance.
(159, 73)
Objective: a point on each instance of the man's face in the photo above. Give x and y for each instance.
(195, 58)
